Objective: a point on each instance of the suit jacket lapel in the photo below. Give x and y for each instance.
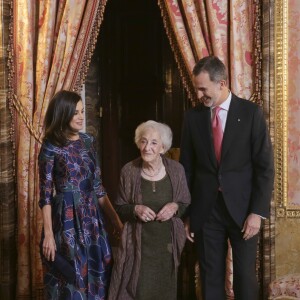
(205, 132)
(231, 125)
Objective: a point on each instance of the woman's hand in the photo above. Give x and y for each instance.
(144, 213)
(167, 212)
(112, 216)
(49, 247)
(117, 228)
(189, 234)
(118, 225)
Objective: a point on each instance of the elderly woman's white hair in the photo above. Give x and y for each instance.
(163, 130)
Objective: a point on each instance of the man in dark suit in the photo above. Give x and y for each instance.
(230, 183)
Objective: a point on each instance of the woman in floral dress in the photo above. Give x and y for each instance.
(72, 200)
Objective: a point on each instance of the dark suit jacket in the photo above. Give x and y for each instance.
(246, 171)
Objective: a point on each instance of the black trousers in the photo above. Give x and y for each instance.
(211, 242)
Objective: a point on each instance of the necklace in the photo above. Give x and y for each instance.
(155, 173)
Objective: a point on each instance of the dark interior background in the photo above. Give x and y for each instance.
(139, 81)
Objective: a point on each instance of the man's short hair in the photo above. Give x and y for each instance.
(213, 66)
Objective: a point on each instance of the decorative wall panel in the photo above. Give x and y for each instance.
(287, 109)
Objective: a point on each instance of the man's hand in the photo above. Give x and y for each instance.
(189, 234)
(251, 226)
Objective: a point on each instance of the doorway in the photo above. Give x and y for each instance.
(139, 81)
(133, 77)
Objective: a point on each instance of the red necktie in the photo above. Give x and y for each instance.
(217, 133)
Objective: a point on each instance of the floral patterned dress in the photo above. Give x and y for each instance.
(70, 182)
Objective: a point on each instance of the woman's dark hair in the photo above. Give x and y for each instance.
(58, 116)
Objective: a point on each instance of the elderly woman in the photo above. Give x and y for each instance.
(153, 196)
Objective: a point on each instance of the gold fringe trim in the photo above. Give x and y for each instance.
(12, 98)
(183, 71)
(10, 92)
(80, 79)
(14, 104)
(11, 85)
(257, 93)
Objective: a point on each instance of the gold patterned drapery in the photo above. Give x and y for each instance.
(52, 43)
(229, 29)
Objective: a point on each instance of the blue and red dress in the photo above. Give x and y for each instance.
(70, 181)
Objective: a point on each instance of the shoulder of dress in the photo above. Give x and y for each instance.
(47, 145)
(48, 149)
(87, 139)
(86, 136)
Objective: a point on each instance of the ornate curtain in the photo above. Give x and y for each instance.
(229, 29)
(52, 45)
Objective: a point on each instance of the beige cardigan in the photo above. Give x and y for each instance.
(127, 262)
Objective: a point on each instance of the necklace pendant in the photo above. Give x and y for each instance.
(153, 187)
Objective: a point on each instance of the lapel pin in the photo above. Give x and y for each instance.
(239, 120)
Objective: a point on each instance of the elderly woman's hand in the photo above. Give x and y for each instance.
(167, 212)
(144, 213)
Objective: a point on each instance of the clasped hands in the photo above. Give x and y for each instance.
(146, 214)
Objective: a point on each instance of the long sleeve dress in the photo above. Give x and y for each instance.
(70, 181)
(147, 260)
(157, 275)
